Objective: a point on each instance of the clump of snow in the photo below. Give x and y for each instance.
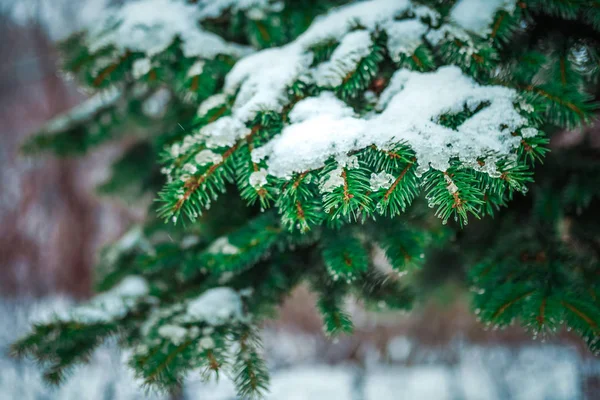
(222, 246)
(206, 343)
(175, 333)
(83, 111)
(208, 157)
(263, 78)
(353, 48)
(338, 22)
(382, 180)
(216, 306)
(156, 105)
(258, 179)
(529, 132)
(150, 26)
(224, 132)
(411, 104)
(404, 37)
(335, 178)
(212, 102)
(113, 304)
(196, 68)
(141, 67)
(408, 111)
(310, 106)
(477, 15)
(215, 8)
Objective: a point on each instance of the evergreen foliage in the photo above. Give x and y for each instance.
(244, 227)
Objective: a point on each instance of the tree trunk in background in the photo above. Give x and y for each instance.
(50, 224)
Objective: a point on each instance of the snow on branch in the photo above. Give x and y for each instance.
(323, 127)
(440, 115)
(150, 26)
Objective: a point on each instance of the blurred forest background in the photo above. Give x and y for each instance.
(52, 226)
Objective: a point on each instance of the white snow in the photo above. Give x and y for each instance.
(216, 306)
(313, 382)
(206, 343)
(310, 106)
(222, 246)
(382, 180)
(529, 132)
(477, 15)
(224, 132)
(141, 67)
(196, 69)
(156, 105)
(338, 22)
(404, 37)
(335, 178)
(208, 157)
(353, 48)
(84, 110)
(175, 333)
(324, 127)
(332, 181)
(112, 304)
(212, 102)
(411, 104)
(215, 8)
(259, 178)
(150, 26)
(263, 78)
(419, 382)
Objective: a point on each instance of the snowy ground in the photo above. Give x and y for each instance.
(406, 371)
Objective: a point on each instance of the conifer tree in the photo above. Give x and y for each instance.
(290, 142)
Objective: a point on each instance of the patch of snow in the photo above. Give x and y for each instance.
(325, 127)
(404, 37)
(335, 178)
(114, 303)
(175, 333)
(419, 382)
(477, 15)
(212, 102)
(332, 181)
(222, 246)
(258, 179)
(206, 343)
(196, 68)
(208, 157)
(382, 180)
(216, 306)
(141, 67)
(83, 111)
(215, 8)
(411, 104)
(263, 78)
(345, 58)
(529, 132)
(156, 105)
(399, 348)
(224, 132)
(308, 382)
(150, 26)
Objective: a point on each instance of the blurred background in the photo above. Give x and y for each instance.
(52, 226)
